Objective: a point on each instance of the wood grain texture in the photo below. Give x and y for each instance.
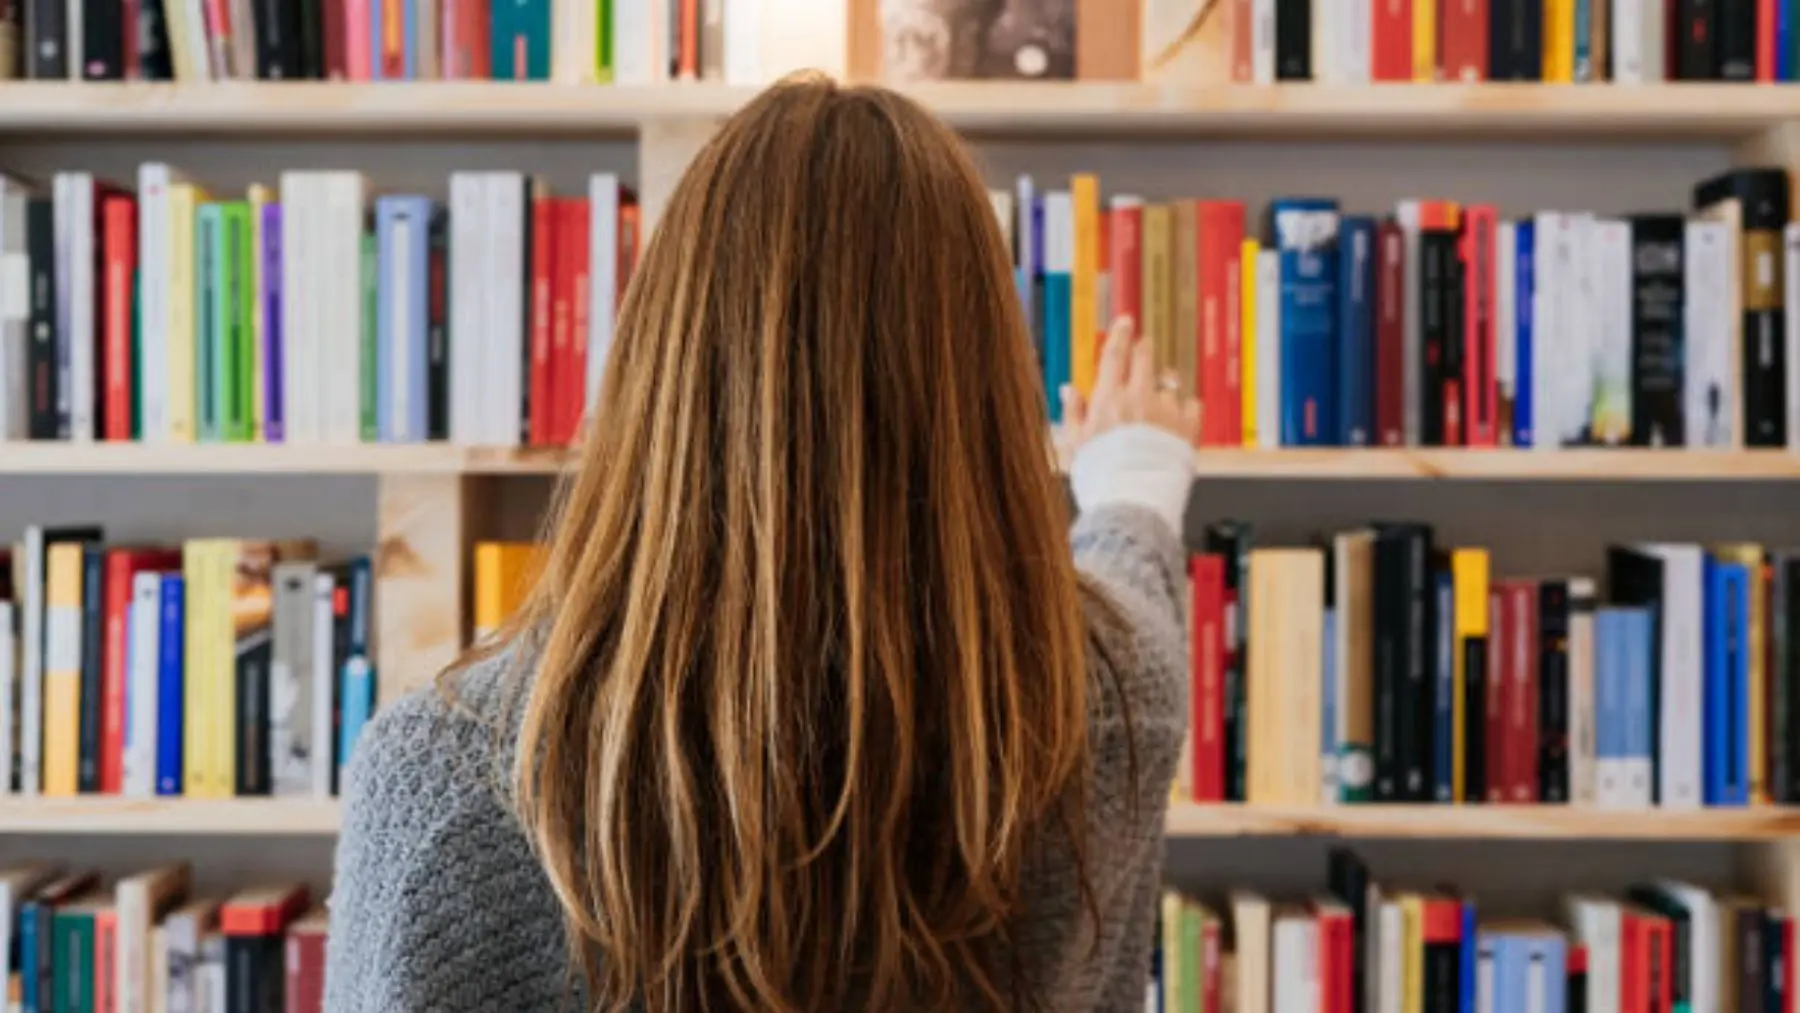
(422, 576)
(235, 817)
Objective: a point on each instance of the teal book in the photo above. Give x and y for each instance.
(209, 245)
(521, 40)
(72, 952)
(237, 363)
(369, 373)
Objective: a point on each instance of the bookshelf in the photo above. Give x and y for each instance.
(165, 817)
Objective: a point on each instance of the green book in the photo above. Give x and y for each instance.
(209, 244)
(137, 355)
(236, 367)
(1191, 971)
(72, 951)
(371, 290)
(603, 44)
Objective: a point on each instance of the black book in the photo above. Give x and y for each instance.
(1762, 198)
(1787, 670)
(437, 331)
(1774, 961)
(1405, 549)
(1695, 40)
(1422, 632)
(155, 61)
(253, 973)
(1553, 691)
(1515, 40)
(254, 655)
(1752, 955)
(309, 37)
(47, 28)
(1475, 680)
(1454, 335)
(102, 40)
(1293, 40)
(1232, 540)
(1635, 578)
(1658, 342)
(277, 44)
(93, 684)
(40, 353)
(1575, 994)
(1437, 257)
(1389, 664)
(1736, 23)
(339, 575)
(1442, 968)
(1348, 880)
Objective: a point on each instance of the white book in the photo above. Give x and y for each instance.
(1628, 39)
(291, 685)
(340, 367)
(638, 42)
(299, 421)
(1574, 376)
(1655, 51)
(1262, 41)
(1582, 731)
(324, 682)
(183, 931)
(1790, 243)
(1506, 320)
(401, 319)
(9, 693)
(142, 671)
(155, 263)
(198, 43)
(1703, 935)
(573, 59)
(1484, 974)
(1594, 922)
(1551, 282)
(1250, 924)
(1390, 949)
(1356, 47)
(75, 296)
(1711, 401)
(468, 304)
(1681, 666)
(743, 43)
(1296, 988)
(15, 312)
(75, 39)
(1407, 214)
(141, 901)
(1268, 349)
(1609, 255)
(506, 306)
(603, 280)
(1326, 41)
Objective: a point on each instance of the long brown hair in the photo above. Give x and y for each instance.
(811, 671)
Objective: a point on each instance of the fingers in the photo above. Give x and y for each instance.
(1074, 408)
(1143, 379)
(1190, 420)
(1115, 356)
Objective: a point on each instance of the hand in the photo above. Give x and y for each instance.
(1127, 391)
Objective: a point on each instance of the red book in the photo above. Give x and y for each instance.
(263, 911)
(1127, 248)
(392, 44)
(1242, 21)
(1337, 957)
(465, 28)
(118, 260)
(133, 64)
(303, 984)
(1211, 974)
(1481, 390)
(1390, 335)
(1497, 757)
(106, 960)
(1221, 339)
(543, 239)
(480, 34)
(1391, 40)
(687, 65)
(336, 39)
(1788, 955)
(1765, 40)
(1522, 691)
(1463, 35)
(562, 294)
(121, 566)
(1634, 962)
(1206, 634)
(1660, 945)
(578, 252)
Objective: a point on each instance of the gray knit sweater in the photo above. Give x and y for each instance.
(440, 906)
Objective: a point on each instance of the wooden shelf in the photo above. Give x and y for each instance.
(142, 817)
(1428, 822)
(240, 459)
(1665, 111)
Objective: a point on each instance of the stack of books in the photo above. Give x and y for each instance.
(1384, 667)
(219, 668)
(628, 42)
(1440, 324)
(72, 942)
(1359, 945)
(311, 313)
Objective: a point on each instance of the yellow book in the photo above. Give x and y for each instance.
(1425, 43)
(1412, 953)
(1158, 277)
(1469, 583)
(1247, 341)
(1559, 41)
(234, 608)
(184, 200)
(504, 575)
(1084, 282)
(62, 668)
(1752, 559)
(196, 574)
(259, 288)
(1172, 964)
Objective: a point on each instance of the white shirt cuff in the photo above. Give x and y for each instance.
(1138, 465)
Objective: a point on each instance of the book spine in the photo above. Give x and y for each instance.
(76, 348)
(253, 652)
(273, 353)
(1764, 352)
(1464, 40)
(1553, 692)
(41, 355)
(1436, 252)
(1240, 16)
(1416, 708)
(1656, 331)
(1697, 41)
(368, 316)
(1443, 729)
(239, 360)
(1293, 40)
(178, 373)
(115, 609)
(1523, 743)
(1480, 390)
(47, 54)
(208, 243)
(323, 747)
(170, 695)
(118, 242)
(1356, 352)
(1627, 41)
(1207, 646)
(1736, 22)
(1388, 616)
(412, 409)
(91, 701)
(1306, 234)
(103, 40)
(562, 379)
(437, 340)
(1392, 40)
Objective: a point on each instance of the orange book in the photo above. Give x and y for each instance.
(62, 669)
(504, 575)
(1242, 21)
(687, 65)
(106, 960)
(1084, 310)
(263, 910)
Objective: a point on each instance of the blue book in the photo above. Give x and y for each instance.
(1443, 678)
(171, 693)
(1784, 40)
(357, 679)
(1509, 972)
(402, 226)
(1304, 231)
(1584, 30)
(1639, 633)
(1610, 750)
(1466, 965)
(1027, 250)
(521, 40)
(409, 35)
(1543, 961)
(1524, 291)
(29, 959)
(1328, 709)
(1725, 686)
(1356, 327)
(1488, 992)
(1059, 261)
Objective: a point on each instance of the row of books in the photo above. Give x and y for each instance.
(308, 313)
(219, 668)
(1437, 325)
(1386, 668)
(1555, 41)
(1362, 947)
(73, 943)
(629, 42)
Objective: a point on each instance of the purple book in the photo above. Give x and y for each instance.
(274, 411)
